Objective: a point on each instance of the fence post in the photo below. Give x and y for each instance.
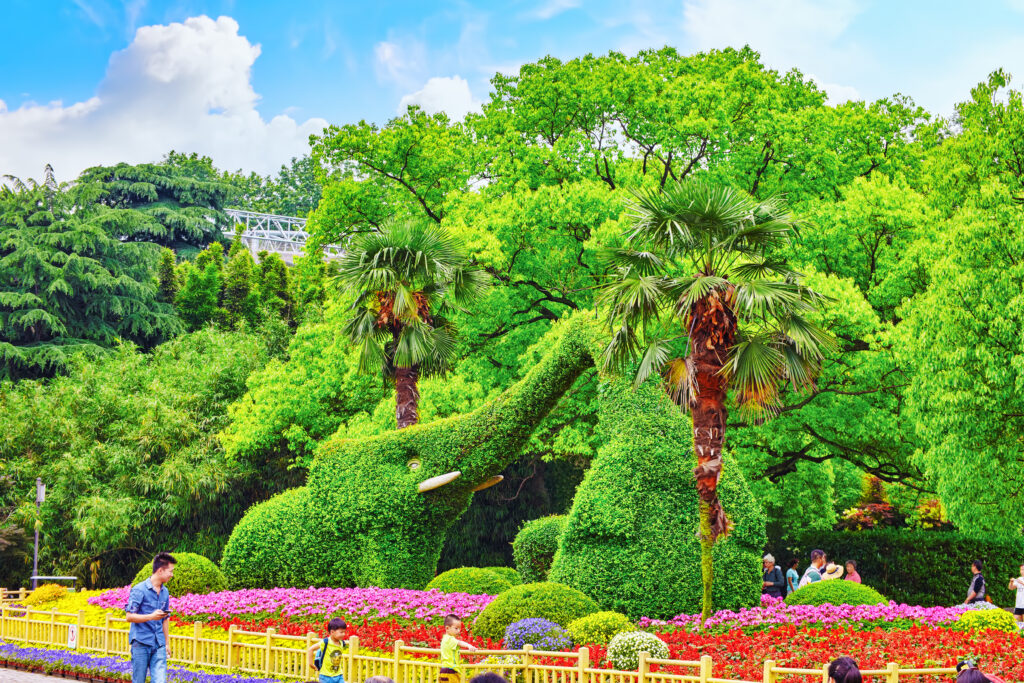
(641, 667)
(270, 645)
(310, 638)
(583, 663)
(705, 668)
(398, 660)
(3, 620)
(197, 631)
(353, 652)
(824, 673)
(892, 673)
(527, 661)
(81, 618)
(769, 671)
(53, 626)
(231, 647)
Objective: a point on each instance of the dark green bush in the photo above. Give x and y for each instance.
(507, 573)
(546, 600)
(192, 574)
(469, 580)
(630, 539)
(835, 592)
(917, 567)
(535, 546)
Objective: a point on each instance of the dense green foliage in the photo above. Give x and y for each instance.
(507, 573)
(474, 580)
(535, 546)
(630, 539)
(835, 592)
(129, 445)
(192, 574)
(918, 567)
(544, 600)
(599, 627)
(362, 517)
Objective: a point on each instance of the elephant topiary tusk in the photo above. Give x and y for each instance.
(438, 481)
(496, 479)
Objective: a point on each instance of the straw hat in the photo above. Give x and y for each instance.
(832, 571)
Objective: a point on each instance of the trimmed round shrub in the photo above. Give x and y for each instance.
(561, 604)
(625, 648)
(630, 539)
(599, 627)
(835, 592)
(48, 592)
(534, 547)
(192, 574)
(507, 573)
(543, 634)
(981, 620)
(469, 580)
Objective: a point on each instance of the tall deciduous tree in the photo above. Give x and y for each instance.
(408, 275)
(697, 271)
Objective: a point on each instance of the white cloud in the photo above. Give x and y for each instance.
(837, 94)
(178, 86)
(450, 95)
(551, 8)
(401, 63)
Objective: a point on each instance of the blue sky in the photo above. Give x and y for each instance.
(246, 81)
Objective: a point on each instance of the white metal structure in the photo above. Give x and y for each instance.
(284, 235)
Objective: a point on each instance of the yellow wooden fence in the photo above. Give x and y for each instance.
(284, 657)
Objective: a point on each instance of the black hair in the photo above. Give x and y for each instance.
(815, 554)
(972, 675)
(844, 670)
(853, 562)
(488, 678)
(451, 620)
(793, 563)
(335, 624)
(978, 565)
(161, 560)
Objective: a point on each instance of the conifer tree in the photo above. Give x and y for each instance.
(240, 300)
(273, 286)
(166, 276)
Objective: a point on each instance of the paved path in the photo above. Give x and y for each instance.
(14, 676)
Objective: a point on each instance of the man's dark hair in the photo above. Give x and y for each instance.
(451, 619)
(817, 554)
(977, 565)
(844, 670)
(335, 624)
(161, 560)
(488, 678)
(793, 563)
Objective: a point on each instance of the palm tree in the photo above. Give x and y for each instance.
(696, 273)
(406, 277)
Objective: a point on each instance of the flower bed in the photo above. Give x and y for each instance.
(774, 612)
(90, 667)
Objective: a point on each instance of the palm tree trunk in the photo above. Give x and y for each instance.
(713, 332)
(407, 396)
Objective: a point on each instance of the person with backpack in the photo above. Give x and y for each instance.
(327, 657)
(773, 583)
(976, 591)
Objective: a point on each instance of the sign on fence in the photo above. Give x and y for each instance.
(72, 636)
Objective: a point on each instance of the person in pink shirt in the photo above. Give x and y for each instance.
(851, 571)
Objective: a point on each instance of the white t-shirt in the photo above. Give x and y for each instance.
(1019, 583)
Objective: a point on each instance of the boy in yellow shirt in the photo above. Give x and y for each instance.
(451, 656)
(333, 647)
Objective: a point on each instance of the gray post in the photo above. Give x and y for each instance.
(40, 496)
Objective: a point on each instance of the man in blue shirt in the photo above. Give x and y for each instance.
(147, 611)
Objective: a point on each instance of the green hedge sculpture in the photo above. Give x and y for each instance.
(835, 592)
(361, 519)
(475, 580)
(535, 545)
(630, 538)
(192, 574)
(545, 600)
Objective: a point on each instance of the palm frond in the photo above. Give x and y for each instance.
(643, 263)
(768, 299)
(653, 360)
(754, 367)
(687, 291)
(621, 350)
(681, 381)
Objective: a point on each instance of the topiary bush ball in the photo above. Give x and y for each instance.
(474, 580)
(533, 549)
(625, 648)
(192, 574)
(835, 592)
(981, 620)
(561, 604)
(507, 573)
(542, 634)
(599, 627)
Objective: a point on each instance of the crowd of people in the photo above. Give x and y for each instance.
(780, 585)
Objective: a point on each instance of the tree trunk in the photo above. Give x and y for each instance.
(713, 333)
(407, 396)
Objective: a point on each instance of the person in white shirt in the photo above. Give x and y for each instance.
(1017, 583)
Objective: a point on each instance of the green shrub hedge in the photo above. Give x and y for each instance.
(507, 573)
(469, 580)
(983, 619)
(535, 545)
(553, 601)
(599, 627)
(630, 540)
(625, 648)
(835, 592)
(917, 567)
(192, 574)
